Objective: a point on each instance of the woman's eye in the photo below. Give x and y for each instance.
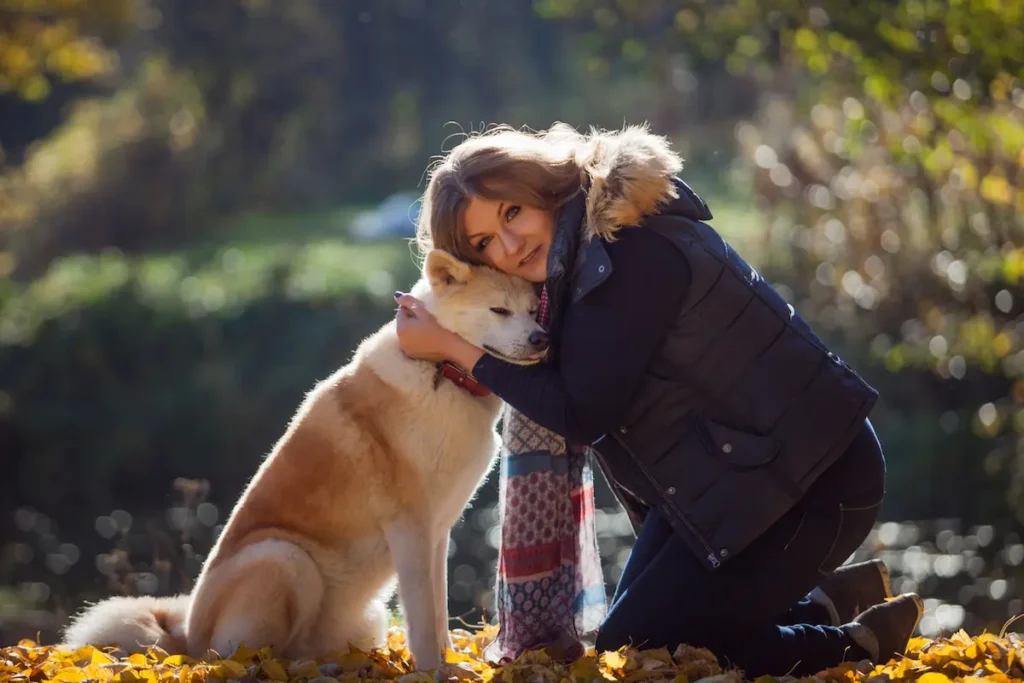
(482, 244)
(511, 212)
(503, 312)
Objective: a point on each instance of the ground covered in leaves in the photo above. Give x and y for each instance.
(959, 658)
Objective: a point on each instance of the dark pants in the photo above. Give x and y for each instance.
(753, 611)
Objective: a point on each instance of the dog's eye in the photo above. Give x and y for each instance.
(503, 312)
(532, 312)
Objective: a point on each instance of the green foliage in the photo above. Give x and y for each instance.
(228, 106)
(121, 374)
(41, 40)
(120, 172)
(888, 166)
(899, 201)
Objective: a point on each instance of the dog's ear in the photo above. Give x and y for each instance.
(443, 269)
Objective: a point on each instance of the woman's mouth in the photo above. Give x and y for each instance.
(530, 256)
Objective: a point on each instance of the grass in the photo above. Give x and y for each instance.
(308, 255)
(305, 256)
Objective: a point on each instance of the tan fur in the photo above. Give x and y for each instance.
(630, 173)
(361, 490)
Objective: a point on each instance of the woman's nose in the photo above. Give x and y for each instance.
(510, 241)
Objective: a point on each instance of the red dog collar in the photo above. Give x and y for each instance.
(460, 378)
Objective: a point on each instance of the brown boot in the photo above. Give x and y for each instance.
(884, 630)
(851, 589)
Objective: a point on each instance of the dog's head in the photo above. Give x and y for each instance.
(485, 307)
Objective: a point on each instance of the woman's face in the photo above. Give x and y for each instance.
(513, 238)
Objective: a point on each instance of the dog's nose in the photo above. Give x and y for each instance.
(538, 340)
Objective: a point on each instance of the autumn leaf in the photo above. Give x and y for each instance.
(613, 660)
(274, 671)
(933, 678)
(959, 658)
(70, 675)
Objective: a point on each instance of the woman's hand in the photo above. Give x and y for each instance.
(421, 337)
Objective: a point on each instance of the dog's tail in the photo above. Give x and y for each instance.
(132, 623)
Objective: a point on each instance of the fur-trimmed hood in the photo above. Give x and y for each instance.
(632, 173)
(628, 174)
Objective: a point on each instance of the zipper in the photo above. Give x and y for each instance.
(711, 557)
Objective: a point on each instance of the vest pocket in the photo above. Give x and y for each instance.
(687, 467)
(700, 454)
(738, 448)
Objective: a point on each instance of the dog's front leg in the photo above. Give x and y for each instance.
(412, 549)
(440, 573)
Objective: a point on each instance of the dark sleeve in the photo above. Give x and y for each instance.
(607, 341)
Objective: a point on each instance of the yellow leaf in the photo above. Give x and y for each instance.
(933, 677)
(156, 653)
(98, 672)
(274, 671)
(585, 669)
(353, 661)
(70, 675)
(138, 660)
(227, 668)
(613, 660)
(304, 669)
(244, 655)
(535, 657)
(416, 677)
(902, 669)
(998, 678)
(991, 667)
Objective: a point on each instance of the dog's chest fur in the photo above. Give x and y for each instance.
(449, 436)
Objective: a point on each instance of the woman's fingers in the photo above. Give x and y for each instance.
(409, 303)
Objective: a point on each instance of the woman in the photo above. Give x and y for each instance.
(739, 444)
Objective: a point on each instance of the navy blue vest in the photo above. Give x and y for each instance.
(741, 409)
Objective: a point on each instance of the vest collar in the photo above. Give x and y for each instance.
(577, 261)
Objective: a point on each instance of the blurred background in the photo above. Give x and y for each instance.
(204, 206)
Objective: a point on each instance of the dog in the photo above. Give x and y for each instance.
(358, 495)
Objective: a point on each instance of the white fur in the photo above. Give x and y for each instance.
(359, 494)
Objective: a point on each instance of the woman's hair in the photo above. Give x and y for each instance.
(541, 169)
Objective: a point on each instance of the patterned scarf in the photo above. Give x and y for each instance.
(550, 589)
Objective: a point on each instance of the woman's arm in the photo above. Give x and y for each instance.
(608, 339)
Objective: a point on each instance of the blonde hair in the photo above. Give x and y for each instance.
(541, 169)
